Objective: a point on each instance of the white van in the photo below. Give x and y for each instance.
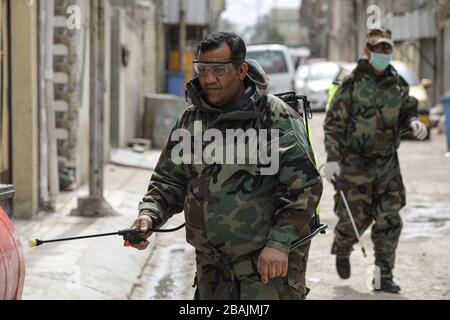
(277, 63)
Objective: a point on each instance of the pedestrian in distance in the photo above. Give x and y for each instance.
(369, 113)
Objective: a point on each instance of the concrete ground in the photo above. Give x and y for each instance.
(99, 268)
(423, 254)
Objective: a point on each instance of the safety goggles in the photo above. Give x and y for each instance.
(217, 68)
(382, 48)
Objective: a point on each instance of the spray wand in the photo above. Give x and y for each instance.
(130, 235)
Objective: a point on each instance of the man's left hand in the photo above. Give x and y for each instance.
(272, 263)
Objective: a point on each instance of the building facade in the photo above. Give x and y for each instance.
(46, 90)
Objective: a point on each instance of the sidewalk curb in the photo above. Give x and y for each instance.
(81, 270)
(88, 269)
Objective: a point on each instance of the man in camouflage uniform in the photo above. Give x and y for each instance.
(367, 117)
(240, 221)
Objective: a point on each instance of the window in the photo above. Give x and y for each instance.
(270, 61)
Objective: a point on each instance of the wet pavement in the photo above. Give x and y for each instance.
(426, 220)
(169, 274)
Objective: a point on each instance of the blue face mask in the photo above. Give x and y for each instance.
(380, 61)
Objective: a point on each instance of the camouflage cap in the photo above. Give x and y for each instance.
(381, 35)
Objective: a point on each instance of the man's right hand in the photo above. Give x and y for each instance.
(145, 223)
(419, 129)
(331, 169)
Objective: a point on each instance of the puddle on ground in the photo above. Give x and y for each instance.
(426, 220)
(162, 291)
(171, 273)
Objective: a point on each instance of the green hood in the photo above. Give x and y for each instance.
(244, 106)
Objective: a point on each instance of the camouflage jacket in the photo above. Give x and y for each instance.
(368, 114)
(232, 207)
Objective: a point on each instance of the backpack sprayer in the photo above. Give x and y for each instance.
(292, 100)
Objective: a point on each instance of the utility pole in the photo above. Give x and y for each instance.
(159, 37)
(95, 205)
(182, 35)
(49, 156)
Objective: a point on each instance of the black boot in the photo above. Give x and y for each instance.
(343, 266)
(388, 285)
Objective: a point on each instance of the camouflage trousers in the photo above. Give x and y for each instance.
(217, 279)
(375, 193)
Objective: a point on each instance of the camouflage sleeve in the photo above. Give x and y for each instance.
(336, 122)
(167, 189)
(297, 190)
(408, 111)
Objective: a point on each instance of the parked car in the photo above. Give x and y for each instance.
(299, 55)
(315, 79)
(301, 78)
(277, 62)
